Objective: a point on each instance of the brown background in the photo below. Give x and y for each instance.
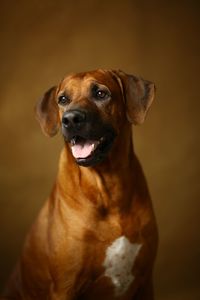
(43, 40)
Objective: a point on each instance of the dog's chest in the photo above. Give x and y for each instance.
(119, 262)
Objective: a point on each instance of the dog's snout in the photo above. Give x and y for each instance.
(74, 119)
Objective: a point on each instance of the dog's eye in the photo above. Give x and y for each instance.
(63, 99)
(100, 94)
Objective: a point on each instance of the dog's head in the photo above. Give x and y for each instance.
(91, 108)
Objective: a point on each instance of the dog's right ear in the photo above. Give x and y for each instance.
(47, 114)
(138, 95)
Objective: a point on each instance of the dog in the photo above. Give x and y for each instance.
(96, 236)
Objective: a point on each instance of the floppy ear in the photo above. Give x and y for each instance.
(47, 112)
(138, 94)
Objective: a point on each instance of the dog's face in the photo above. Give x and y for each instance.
(87, 108)
(91, 109)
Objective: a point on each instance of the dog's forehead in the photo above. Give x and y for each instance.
(82, 81)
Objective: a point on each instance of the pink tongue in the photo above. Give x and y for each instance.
(83, 150)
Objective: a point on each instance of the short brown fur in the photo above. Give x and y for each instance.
(91, 207)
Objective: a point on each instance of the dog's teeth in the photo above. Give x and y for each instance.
(73, 141)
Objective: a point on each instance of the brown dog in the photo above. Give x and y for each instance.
(96, 236)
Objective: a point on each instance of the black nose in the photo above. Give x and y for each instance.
(74, 119)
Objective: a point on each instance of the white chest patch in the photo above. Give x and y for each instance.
(118, 263)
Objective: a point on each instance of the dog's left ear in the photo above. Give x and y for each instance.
(47, 113)
(138, 94)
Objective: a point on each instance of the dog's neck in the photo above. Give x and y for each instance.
(102, 178)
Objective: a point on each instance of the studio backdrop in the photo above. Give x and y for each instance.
(42, 41)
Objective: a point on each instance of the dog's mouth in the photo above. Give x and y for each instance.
(82, 148)
(89, 152)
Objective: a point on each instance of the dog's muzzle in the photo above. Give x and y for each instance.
(89, 138)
